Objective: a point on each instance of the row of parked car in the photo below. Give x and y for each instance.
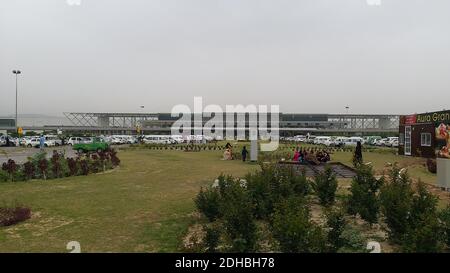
(52, 140)
(340, 141)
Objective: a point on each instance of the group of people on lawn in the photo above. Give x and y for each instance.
(303, 155)
(228, 153)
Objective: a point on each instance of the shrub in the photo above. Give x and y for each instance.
(336, 224)
(84, 167)
(363, 199)
(43, 166)
(444, 217)
(396, 201)
(353, 240)
(273, 184)
(424, 232)
(29, 170)
(208, 202)
(73, 166)
(56, 164)
(212, 237)
(114, 159)
(10, 167)
(294, 231)
(325, 186)
(95, 164)
(4, 176)
(411, 217)
(431, 165)
(11, 216)
(238, 219)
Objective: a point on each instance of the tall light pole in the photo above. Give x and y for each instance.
(16, 72)
(346, 108)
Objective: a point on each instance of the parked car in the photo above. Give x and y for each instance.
(372, 140)
(56, 141)
(390, 141)
(340, 141)
(36, 142)
(299, 138)
(74, 140)
(2, 140)
(322, 140)
(352, 141)
(96, 145)
(310, 139)
(156, 139)
(394, 143)
(381, 142)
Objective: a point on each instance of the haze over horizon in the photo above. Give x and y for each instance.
(308, 56)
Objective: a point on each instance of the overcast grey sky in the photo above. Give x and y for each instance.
(305, 55)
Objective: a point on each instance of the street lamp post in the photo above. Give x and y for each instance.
(16, 72)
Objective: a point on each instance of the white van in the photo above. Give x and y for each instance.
(156, 139)
(322, 140)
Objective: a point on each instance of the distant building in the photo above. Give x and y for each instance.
(425, 135)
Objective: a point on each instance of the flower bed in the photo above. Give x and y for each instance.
(58, 166)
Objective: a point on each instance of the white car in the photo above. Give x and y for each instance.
(390, 141)
(36, 142)
(299, 138)
(54, 139)
(322, 140)
(394, 143)
(340, 141)
(310, 139)
(75, 140)
(177, 139)
(381, 142)
(2, 140)
(353, 141)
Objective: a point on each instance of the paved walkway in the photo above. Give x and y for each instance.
(20, 154)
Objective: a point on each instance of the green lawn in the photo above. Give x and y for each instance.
(142, 206)
(145, 205)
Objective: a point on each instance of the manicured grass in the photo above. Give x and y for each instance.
(144, 205)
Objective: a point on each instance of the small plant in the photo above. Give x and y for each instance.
(84, 167)
(11, 216)
(29, 170)
(295, 232)
(208, 202)
(236, 209)
(336, 223)
(73, 166)
(114, 159)
(431, 165)
(56, 164)
(10, 167)
(212, 237)
(363, 199)
(43, 167)
(396, 200)
(444, 217)
(325, 186)
(424, 233)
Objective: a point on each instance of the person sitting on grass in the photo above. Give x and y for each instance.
(296, 155)
(312, 159)
(301, 157)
